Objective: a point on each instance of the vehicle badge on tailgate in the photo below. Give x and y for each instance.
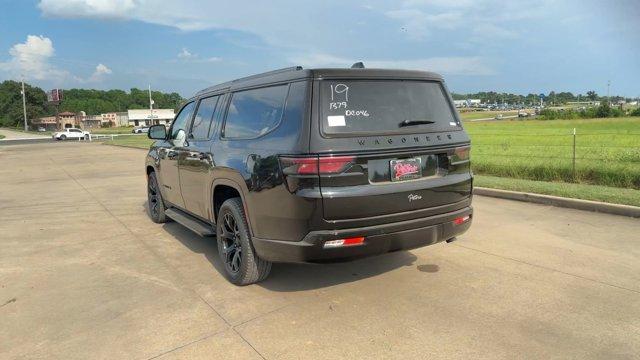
(412, 197)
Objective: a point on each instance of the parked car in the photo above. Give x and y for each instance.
(311, 165)
(71, 133)
(140, 130)
(41, 129)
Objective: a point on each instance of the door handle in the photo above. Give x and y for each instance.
(172, 154)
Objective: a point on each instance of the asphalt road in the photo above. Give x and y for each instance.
(85, 274)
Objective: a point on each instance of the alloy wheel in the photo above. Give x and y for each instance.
(231, 246)
(153, 196)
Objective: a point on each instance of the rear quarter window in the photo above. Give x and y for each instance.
(253, 113)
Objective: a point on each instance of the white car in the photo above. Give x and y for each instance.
(140, 130)
(71, 133)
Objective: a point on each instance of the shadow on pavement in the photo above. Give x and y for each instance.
(301, 277)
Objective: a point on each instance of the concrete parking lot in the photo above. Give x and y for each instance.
(17, 135)
(85, 274)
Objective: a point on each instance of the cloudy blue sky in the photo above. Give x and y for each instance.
(514, 46)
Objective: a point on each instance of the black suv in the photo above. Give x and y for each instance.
(311, 165)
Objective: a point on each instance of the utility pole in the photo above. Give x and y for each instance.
(608, 85)
(24, 105)
(150, 106)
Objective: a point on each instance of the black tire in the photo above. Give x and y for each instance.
(241, 264)
(63, 137)
(86, 137)
(155, 203)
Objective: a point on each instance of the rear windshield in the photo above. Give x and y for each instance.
(384, 106)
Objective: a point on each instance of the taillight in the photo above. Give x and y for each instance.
(315, 165)
(460, 155)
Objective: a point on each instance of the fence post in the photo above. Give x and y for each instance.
(574, 154)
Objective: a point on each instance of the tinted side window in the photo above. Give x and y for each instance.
(253, 113)
(179, 126)
(202, 120)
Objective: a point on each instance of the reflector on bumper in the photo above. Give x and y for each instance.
(344, 242)
(461, 220)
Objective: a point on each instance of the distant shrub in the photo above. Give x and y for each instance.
(604, 110)
(635, 112)
(548, 114)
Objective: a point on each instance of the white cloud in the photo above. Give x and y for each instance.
(114, 9)
(417, 18)
(271, 21)
(100, 72)
(452, 65)
(187, 56)
(31, 59)
(417, 23)
(489, 32)
(441, 3)
(478, 18)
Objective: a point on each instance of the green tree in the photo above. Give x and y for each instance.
(592, 95)
(11, 113)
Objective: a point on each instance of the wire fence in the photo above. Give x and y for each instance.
(592, 150)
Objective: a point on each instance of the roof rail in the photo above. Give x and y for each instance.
(269, 73)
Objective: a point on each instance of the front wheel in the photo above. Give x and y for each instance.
(86, 137)
(242, 265)
(63, 137)
(154, 200)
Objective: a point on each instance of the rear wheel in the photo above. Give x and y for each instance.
(154, 200)
(241, 264)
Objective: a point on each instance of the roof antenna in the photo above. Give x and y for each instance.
(358, 65)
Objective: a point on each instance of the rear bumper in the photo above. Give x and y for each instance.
(379, 239)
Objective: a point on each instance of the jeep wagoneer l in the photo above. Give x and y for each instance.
(312, 165)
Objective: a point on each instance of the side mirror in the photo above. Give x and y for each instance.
(157, 132)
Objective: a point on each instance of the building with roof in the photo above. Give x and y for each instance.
(146, 117)
(67, 119)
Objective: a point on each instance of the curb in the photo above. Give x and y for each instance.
(587, 205)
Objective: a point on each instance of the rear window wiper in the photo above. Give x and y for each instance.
(415, 122)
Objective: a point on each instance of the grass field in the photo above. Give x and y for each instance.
(577, 191)
(112, 130)
(607, 150)
(139, 141)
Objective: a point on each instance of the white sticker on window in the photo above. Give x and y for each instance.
(336, 120)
